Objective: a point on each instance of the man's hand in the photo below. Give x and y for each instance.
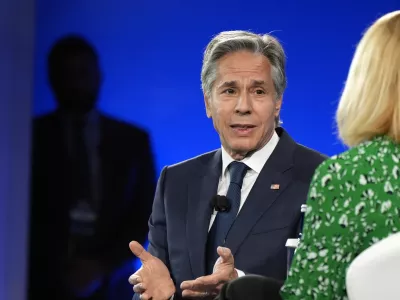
(152, 280)
(209, 286)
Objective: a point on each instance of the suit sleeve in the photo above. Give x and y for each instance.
(158, 245)
(319, 264)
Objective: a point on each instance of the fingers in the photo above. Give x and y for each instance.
(202, 287)
(139, 288)
(201, 284)
(139, 251)
(187, 285)
(197, 295)
(226, 255)
(144, 296)
(206, 282)
(135, 279)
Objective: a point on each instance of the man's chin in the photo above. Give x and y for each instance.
(239, 153)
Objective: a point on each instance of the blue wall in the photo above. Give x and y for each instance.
(151, 54)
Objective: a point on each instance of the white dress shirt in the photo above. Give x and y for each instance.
(255, 162)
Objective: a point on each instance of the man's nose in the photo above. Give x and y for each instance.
(243, 105)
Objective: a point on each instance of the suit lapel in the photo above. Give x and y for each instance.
(262, 195)
(201, 190)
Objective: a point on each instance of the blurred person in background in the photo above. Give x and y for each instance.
(354, 197)
(93, 183)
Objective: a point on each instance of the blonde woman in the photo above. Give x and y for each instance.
(354, 198)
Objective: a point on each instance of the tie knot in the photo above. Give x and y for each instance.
(237, 170)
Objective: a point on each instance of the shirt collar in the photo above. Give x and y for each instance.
(257, 160)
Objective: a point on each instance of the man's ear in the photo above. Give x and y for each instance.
(207, 104)
(278, 105)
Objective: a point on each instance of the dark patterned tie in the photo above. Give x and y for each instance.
(224, 220)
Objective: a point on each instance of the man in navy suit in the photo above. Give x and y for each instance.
(260, 173)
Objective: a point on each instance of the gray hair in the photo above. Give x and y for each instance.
(238, 40)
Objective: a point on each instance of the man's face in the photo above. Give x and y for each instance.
(243, 103)
(76, 83)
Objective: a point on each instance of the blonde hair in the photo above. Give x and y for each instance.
(370, 102)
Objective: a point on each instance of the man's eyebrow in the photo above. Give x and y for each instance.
(233, 83)
(257, 82)
(226, 84)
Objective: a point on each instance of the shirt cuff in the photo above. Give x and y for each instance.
(240, 273)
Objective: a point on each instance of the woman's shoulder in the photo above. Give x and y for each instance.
(366, 155)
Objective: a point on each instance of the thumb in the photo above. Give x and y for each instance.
(226, 255)
(139, 251)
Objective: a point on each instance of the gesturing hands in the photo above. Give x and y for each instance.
(152, 280)
(209, 286)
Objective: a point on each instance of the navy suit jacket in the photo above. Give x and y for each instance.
(181, 212)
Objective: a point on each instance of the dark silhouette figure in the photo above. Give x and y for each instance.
(93, 182)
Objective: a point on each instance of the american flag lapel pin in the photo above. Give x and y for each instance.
(275, 186)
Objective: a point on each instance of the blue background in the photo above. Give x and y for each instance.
(151, 53)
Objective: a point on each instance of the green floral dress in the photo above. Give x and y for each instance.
(353, 202)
